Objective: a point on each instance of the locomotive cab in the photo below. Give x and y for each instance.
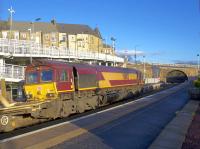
(40, 83)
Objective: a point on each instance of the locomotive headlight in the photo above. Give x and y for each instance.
(29, 96)
(50, 95)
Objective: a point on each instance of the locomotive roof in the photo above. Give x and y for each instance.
(83, 66)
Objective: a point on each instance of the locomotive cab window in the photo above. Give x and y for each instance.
(63, 75)
(47, 75)
(32, 77)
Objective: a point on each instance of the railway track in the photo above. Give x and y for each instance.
(58, 121)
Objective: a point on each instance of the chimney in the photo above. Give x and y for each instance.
(53, 21)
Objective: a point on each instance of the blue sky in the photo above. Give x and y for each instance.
(165, 30)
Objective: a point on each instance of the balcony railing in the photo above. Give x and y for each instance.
(21, 48)
(12, 73)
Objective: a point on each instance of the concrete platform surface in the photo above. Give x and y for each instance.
(173, 136)
(129, 126)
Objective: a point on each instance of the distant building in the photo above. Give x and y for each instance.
(107, 49)
(71, 36)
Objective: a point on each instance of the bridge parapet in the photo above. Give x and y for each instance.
(189, 70)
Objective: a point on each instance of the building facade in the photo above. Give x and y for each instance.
(71, 36)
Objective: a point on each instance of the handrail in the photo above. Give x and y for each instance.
(12, 71)
(24, 48)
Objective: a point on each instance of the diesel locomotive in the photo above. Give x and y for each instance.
(57, 89)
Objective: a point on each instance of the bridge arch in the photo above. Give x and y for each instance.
(176, 76)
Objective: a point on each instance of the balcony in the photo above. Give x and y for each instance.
(20, 48)
(12, 73)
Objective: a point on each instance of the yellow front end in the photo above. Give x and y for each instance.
(42, 92)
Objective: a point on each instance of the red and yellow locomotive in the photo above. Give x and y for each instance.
(83, 86)
(57, 89)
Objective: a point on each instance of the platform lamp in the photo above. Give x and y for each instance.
(30, 32)
(113, 46)
(33, 26)
(144, 67)
(135, 55)
(198, 64)
(33, 34)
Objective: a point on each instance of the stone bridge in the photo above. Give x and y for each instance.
(164, 72)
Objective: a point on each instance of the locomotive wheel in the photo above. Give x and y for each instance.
(80, 109)
(65, 110)
(102, 100)
(64, 113)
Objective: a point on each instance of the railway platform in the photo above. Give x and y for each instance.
(136, 124)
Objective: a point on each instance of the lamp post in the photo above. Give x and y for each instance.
(30, 32)
(135, 55)
(198, 64)
(32, 36)
(126, 58)
(33, 27)
(105, 52)
(144, 68)
(113, 46)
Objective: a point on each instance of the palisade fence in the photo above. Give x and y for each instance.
(21, 48)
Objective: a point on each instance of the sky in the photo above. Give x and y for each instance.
(165, 31)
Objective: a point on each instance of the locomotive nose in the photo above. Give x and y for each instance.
(41, 92)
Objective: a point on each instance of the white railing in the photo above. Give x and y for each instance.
(21, 48)
(176, 65)
(12, 73)
(152, 80)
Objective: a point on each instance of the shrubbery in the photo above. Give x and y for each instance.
(197, 83)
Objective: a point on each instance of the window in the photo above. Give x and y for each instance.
(24, 35)
(16, 35)
(64, 76)
(53, 37)
(47, 75)
(4, 34)
(46, 36)
(62, 38)
(79, 44)
(32, 77)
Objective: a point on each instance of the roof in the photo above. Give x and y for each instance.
(83, 66)
(77, 29)
(50, 27)
(4, 25)
(24, 26)
(106, 46)
(37, 26)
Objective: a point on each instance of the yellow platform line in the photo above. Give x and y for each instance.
(59, 139)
